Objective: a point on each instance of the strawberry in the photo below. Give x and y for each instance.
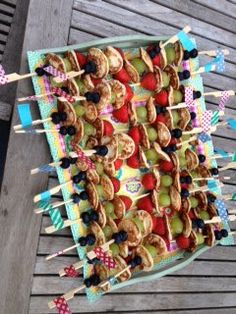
(192, 215)
(134, 133)
(149, 81)
(121, 114)
(118, 163)
(135, 150)
(120, 51)
(167, 242)
(133, 162)
(161, 118)
(161, 98)
(82, 59)
(117, 221)
(122, 76)
(129, 93)
(149, 181)
(127, 201)
(173, 141)
(116, 184)
(184, 186)
(183, 242)
(157, 60)
(96, 81)
(145, 203)
(108, 128)
(158, 226)
(166, 166)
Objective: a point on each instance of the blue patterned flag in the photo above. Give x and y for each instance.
(204, 137)
(46, 168)
(24, 115)
(222, 211)
(185, 41)
(232, 124)
(221, 152)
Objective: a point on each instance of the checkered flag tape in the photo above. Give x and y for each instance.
(104, 258)
(62, 306)
(54, 72)
(188, 96)
(71, 271)
(223, 100)
(3, 78)
(61, 93)
(206, 120)
(82, 157)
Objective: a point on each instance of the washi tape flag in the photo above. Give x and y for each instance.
(222, 211)
(233, 197)
(213, 186)
(57, 221)
(220, 152)
(188, 96)
(62, 306)
(206, 120)
(204, 137)
(82, 156)
(61, 93)
(71, 271)
(46, 168)
(104, 258)
(232, 123)
(234, 157)
(44, 205)
(220, 61)
(224, 98)
(24, 115)
(185, 40)
(54, 72)
(3, 77)
(44, 196)
(215, 118)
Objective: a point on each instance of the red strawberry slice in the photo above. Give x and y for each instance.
(158, 226)
(120, 51)
(118, 163)
(127, 201)
(192, 215)
(129, 93)
(166, 166)
(116, 184)
(183, 242)
(121, 114)
(134, 133)
(133, 162)
(161, 118)
(149, 181)
(161, 98)
(173, 141)
(135, 150)
(145, 203)
(122, 76)
(157, 60)
(149, 81)
(82, 59)
(96, 81)
(108, 128)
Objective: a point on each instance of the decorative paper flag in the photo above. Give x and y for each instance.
(220, 61)
(59, 92)
(213, 186)
(221, 152)
(185, 40)
(222, 211)
(188, 96)
(233, 197)
(44, 205)
(82, 156)
(104, 258)
(24, 115)
(47, 87)
(206, 120)
(46, 168)
(224, 98)
(54, 72)
(57, 221)
(62, 306)
(45, 196)
(71, 271)
(232, 123)
(3, 78)
(234, 157)
(215, 118)
(204, 137)
(186, 65)
(112, 280)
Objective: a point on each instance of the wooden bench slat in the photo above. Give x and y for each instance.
(8, 10)
(223, 6)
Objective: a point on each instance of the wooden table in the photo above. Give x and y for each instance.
(27, 282)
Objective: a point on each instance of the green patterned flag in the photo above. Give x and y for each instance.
(215, 118)
(234, 157)
(57, 221)
(233, 197)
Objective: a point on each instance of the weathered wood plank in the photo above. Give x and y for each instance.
(5, 18)
(5, 111)
(223, 6)
(6, 9)
(77, 36)
(20, 228)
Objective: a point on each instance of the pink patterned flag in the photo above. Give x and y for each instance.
(59, 92)
(82, 156)
(62, 306)
(223, 99)
(51, 70)
(71, 271)
(3, 78)
(104, 258)
(206, 120)
(188, 95)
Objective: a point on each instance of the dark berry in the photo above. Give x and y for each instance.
(63, 130)
(89, 96)
(124, 235)
(181, 76)
(94, 261)
(82, 241)
(211, 198)
(218, 235)
(158, 110)
(173, 147)
(87, 282)
(186, 55)
(197, 94)
(82, 175)
(163, 110)
(117, 238)
(65, 89)
(76, 179)
(65, 163)
(167, 149)
(186, 74)
(63, 116)
(85, 217)
(73, 160)
(193, 115)
(184, 193)
(95, 279)
(93, 216)
(76, 198)
(182, 180)
(55, 116)
(96, 97)
(200, 223)
(193, 53)
(132, 263)
(71, 130)
(138, 260)
(90, 67)
(152, 53)
(188, 179)
(40, 71)
(101, 150)
(83, 196)
(91, 239)
(224, 233)
(201, 158)
(214, 171)
(194, 223)
(177, 133)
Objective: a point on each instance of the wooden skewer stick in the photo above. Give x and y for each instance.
(219, 93)
(192, 138)
(228, 166)
(103, 284)
(35, 96)
(202, 70)
(67, 223)
(175, 38)
(217, 156)
(204, 188)
(52, 164)
(39, 131)
(203, 179)
(212, 53)
(35, 122)
(69, 75)
(52, 191)
(16, 77)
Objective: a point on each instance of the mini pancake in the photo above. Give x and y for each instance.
(97, 231)
(185, 118)
(99, 58)
(191, 159)
(147, 260)
(168, 229)
(179, 53)
(193, 241)
(119, 90)
(102, 271)
(91, 142)
(212, 211)
(157, 72)
(185, 205)
(176, 180)
(72, 87)
(144, 141)
(202, 200)
(111, 223)
(208, 230)
(79, 131)
(71, 56)
(109, 168)
(146, 219)
(162, 155)
(112, 145)
(92, 194)
(114, 59)
(65, 106)
(104, 91)
(91, 112)
(173, 75)
(175, 198)
(120, 265)
(203, 172)
(163, 133)
(169, 119)
(155, 202)
(142, 158)
(187, 224)
(157, 242)
(146, 59)
(163, 59)
(133, 73)
(123, 250)
(88, 83)
(151, 110)
(119, 207)
(55, 61)
(175, 160)
(92, 176)
(134, 235)
(108, 188)
(127, 144)
(157, 176)
(170, 96)
(99, 126)
(102, 218)
(81, 165)
(133, 119)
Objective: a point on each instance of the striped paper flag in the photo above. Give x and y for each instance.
(57, 221)
(215, 118)
(233, 197)
(221, 152)
(234, 157)
(44, 205)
